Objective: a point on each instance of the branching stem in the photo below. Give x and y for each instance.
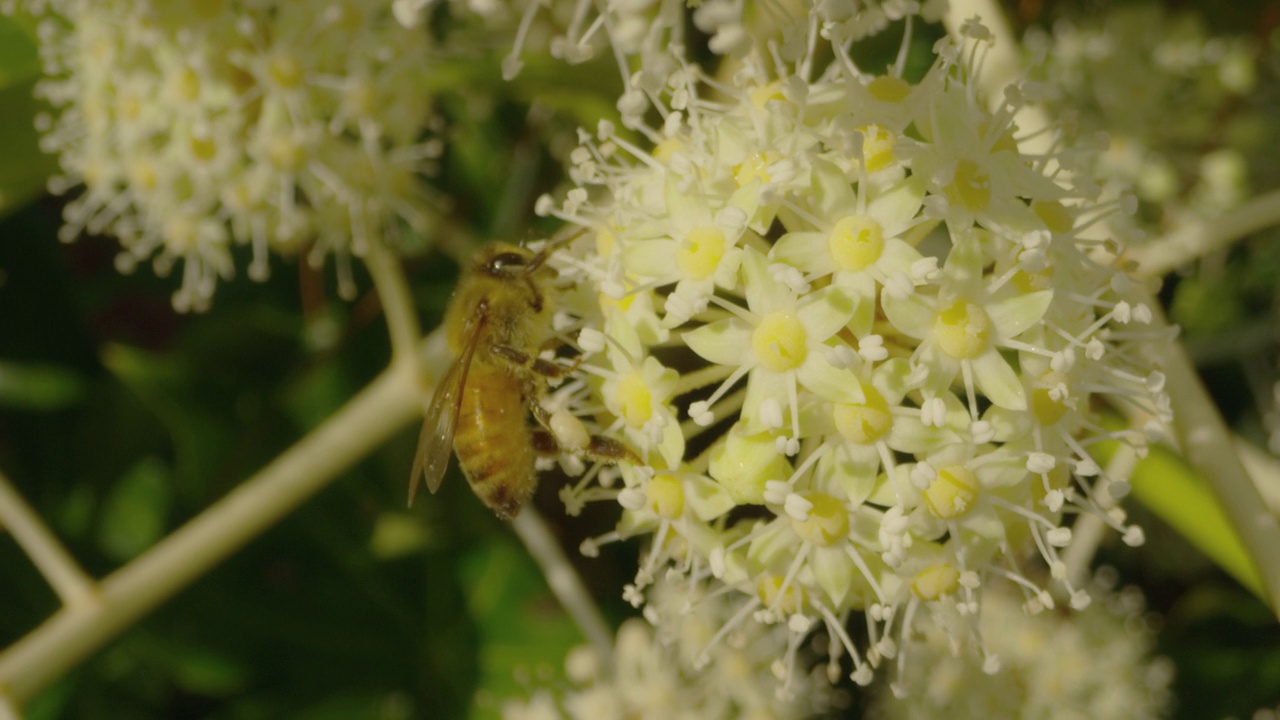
(397, 302)
(564, 581)
(76, 631)
(1199, 237)
(72, 584)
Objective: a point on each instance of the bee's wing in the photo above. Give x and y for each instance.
(435, 442)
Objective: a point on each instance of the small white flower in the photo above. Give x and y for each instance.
(274, 125)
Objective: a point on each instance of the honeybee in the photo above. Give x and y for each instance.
(496, 323)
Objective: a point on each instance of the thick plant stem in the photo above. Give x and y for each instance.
(564, 581)
(1197, 238)
(68, 579)
(397, 302)
(1207, 445)
(75, 632)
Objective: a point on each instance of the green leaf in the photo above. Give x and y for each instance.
(1170, 488)
(206, 672)
(133, 517)
(31, 386)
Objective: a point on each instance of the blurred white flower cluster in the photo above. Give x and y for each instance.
(289, 127)
(859, 339)
(1172, 100)
(653, 673)
(1093, 664)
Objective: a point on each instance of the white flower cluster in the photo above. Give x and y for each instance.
(859, 339)
(1171, 99)
(653, 673)
(287, 126)
(1092, 664)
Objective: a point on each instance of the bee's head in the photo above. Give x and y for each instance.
(502, 260)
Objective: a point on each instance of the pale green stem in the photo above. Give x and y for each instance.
(74, 632)
(564, 581)
(1086, 537)
(1264, 468)
(72, 584)
(1207, 445)
(1199, 237)
(1206, 441)
(397, 302)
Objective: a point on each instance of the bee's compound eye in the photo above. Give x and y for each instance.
(504, 262)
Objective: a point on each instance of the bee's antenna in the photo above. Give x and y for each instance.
(542, 256)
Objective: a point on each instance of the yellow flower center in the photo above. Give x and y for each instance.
(635, 399)
(935, 581)
(700, 253)
(888, 88)
(769, 588)
(1044, 407)
(663, 151)
(779, 342)
(856, 242)
(828, 521)
(362, 97)
(962, 330)
(285, 154)
(285, 70)
(952, 492)
(865, 423)
(755, 168)
(970, 187)
(186, 84)
(203, 147)
(1027, 283)
(762, 95)
(664, 495)
(128, 106)
(142, 174)
(606, 243)
(1006, 140)
(877, 147)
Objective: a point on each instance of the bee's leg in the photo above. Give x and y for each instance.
(599, 448)
(544, 443)
(532, 363)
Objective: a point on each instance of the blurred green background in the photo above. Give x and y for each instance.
(120, 420)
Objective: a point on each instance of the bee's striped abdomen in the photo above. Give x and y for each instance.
(493, 442)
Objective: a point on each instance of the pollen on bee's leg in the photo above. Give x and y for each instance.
(569, 431)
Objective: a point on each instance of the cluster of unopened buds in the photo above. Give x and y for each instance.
(860, 340)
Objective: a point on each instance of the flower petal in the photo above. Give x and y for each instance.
(764, 294)
(707, 499)
(808, 251)
(834, 384)
(1012, 316)
(895, 209)
(824, 312)
(912, 315)
(724, 342)
(997, 380)
(651, 259)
